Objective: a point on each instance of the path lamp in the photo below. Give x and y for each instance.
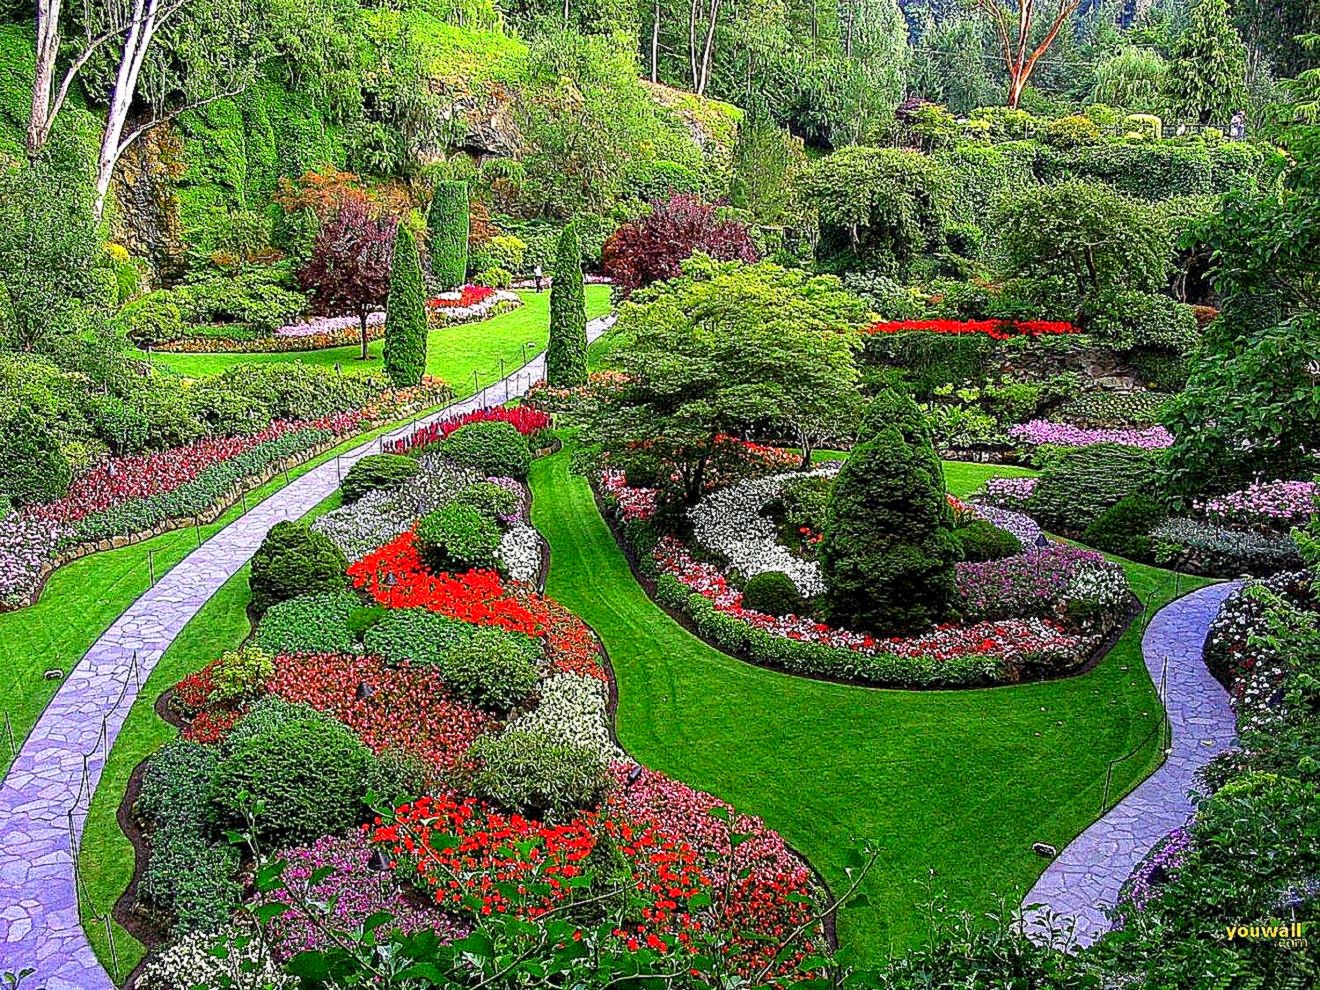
(364, 692)
(634, 775)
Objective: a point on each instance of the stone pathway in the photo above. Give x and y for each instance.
(45, 796)
(1084, 880)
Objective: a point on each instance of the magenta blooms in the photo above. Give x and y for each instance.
(1162, 863)
(1028, 583)
(1273, 505)
(1042, 431)
(1009, 493)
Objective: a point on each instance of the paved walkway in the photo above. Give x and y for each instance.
(44, 798)
(1084, 880)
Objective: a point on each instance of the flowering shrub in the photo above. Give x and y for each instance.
(631, 503)
(571, 712)
(1044, 431)
(1008, 493)
(525, 419)
(192, 962)
(27, 545)
(995, 329)
(1269, 506)
(331, 326)
(519, 553)
(515, 488)
(1160, 864)
(1029, 583)
(1019, 524)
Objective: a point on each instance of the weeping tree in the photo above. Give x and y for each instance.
(447, 226)
(1207, 78)
(566, 355)
(405, 314)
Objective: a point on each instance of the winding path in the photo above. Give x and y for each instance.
(1083, 882)
(45, 796)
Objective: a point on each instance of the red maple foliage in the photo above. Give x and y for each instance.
(349, 271)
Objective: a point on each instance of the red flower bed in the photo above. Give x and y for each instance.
(469, 295)
(409, 709)
(995, 329)
(572, 645)
(524, 418)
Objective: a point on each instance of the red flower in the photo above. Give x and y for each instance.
(995, 329)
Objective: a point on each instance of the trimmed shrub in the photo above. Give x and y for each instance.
(151, 319)
(932, 360)
(1124, 528)
(530, 774)
(33, 469)
(492, 448)
(415, 635)
(457, 538)
(981, 540)
(490, 499)
(447, 225)
(566, 354)
(240, 675)
(405, 314)
(1078, 485)
(306, 768)
(310, 624)
(888, 551)
(294, 560)
(493, 668)
(376, 472)
(774, 593)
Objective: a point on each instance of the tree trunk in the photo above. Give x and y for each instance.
(655, 43)
(43, 84)
(362, 323)
(140, 33)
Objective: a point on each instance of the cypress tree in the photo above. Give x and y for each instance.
(566, 355)
(405, 314)
(1207, 77)
(888, 551)
(447, 226)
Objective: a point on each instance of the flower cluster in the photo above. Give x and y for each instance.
(526, 420)
(572, 645)
(1027, 583)
(473, 303)
(1157, 868)
(994, 329)
(1267, 506)
(193, 962)
(1008, 493)
(1044, 431)
(348, 327)
(571, 712)
(27, 546)
(632, 503)
(467, 296)
(514, 486)
(519, 553)
(1019, 524)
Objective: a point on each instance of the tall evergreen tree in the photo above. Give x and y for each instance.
(888, 550)
(566, 355)
(405, 314)
(1207, 78)
(447, 226)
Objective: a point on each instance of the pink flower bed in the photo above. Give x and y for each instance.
(328, 325)
(1042, 431)
(524, 418)
(1272, 505)
(634, 503)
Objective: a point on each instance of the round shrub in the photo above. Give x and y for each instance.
(310, 624)
(151, 319)
(1124, 528)
(492, 448)
(33, 468)
(306, 768)
(294, 560)
(530, 774)
(376, 472)
(1078, 485)
(495, 277)
(774, 593)
(240, 675)
(492, 668)
(457, 538)
(490, 499)
(1070, 132)
(982, 540)
(415, 635)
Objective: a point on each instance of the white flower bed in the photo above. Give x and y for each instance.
(192, 963)
(328, 325)
(729, 524)
(477, 311)
(572, 712)
(520, 552)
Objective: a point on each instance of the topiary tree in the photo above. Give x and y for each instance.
(494, 448)
(888, 550)
(773, 593)
(566, 355)
(294, 560)
(405, 314)
(447, 227)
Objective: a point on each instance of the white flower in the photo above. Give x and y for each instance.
(520, 553)
(191, 962)
(572, 712)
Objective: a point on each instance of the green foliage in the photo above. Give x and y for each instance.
(314, 623)
(490, 499)
(152, 319)
(1131, 77)
(1207, 77)
(767, 161)
(447, 234)
(239, 675)
(492, 668)
(1156, 171)
(405, 314)
(294, 560)
(1071, 132)
(889, 549)
(457, 538)
(32, 467)
(259, 300)
(377, 472)
(1124, 528)
(1078, 485)
(306, 769)
(774, 593)
(415, 635)
(495, 449)
(981, 540)
(1126, 319)
(932, 360)
(566, 355)
(531, 774)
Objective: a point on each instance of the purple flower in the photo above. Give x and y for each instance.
(1043, 431)
(1272, 505)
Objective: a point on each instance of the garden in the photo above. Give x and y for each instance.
(506, 494)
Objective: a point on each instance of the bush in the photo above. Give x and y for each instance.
(294, 560)
(1123, 320)
(376, 472)
(1071, 132)
(532, 775)
(566, 354)
(888, 552)
(306, 768)
(981, 540)
(774, 593)
(932, 360)
(490, 499)
(1124, 528)
(457, 538)
(33, 469)
(493, 668)
(447, 226)
(493, 448)
(1203, 548)
(310, 624)
(240, 675)
(496, 278)
(405, 314)
(151, 319)
(1078, 485)
(415, 635)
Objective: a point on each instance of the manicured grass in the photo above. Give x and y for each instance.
(951, 786)
(961, 478)
(452, 353)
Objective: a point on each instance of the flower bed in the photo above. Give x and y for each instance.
(994, 329)
(471, 303)
(1274, 506)
(1204, 548)
(1043, 431)
(526, 420)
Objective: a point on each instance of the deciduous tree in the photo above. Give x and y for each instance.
(1018, 46)
(349, 271)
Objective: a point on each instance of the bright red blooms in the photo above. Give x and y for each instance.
(470, 295)
(995, 329)
(525, 420)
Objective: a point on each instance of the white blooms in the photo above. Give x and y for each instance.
(191, 962)
(572, 712)
(520, 552)
(729, 524)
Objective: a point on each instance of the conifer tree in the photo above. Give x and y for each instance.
(447, 226)
(1207, 78)
(405, 314)
(566, 355)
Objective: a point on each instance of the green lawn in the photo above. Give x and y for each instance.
(451, 354)
(952, 785)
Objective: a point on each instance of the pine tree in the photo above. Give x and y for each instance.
(405, 314)
(447, 226)
(1207, 78)
(888, 551)
(566, 356)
